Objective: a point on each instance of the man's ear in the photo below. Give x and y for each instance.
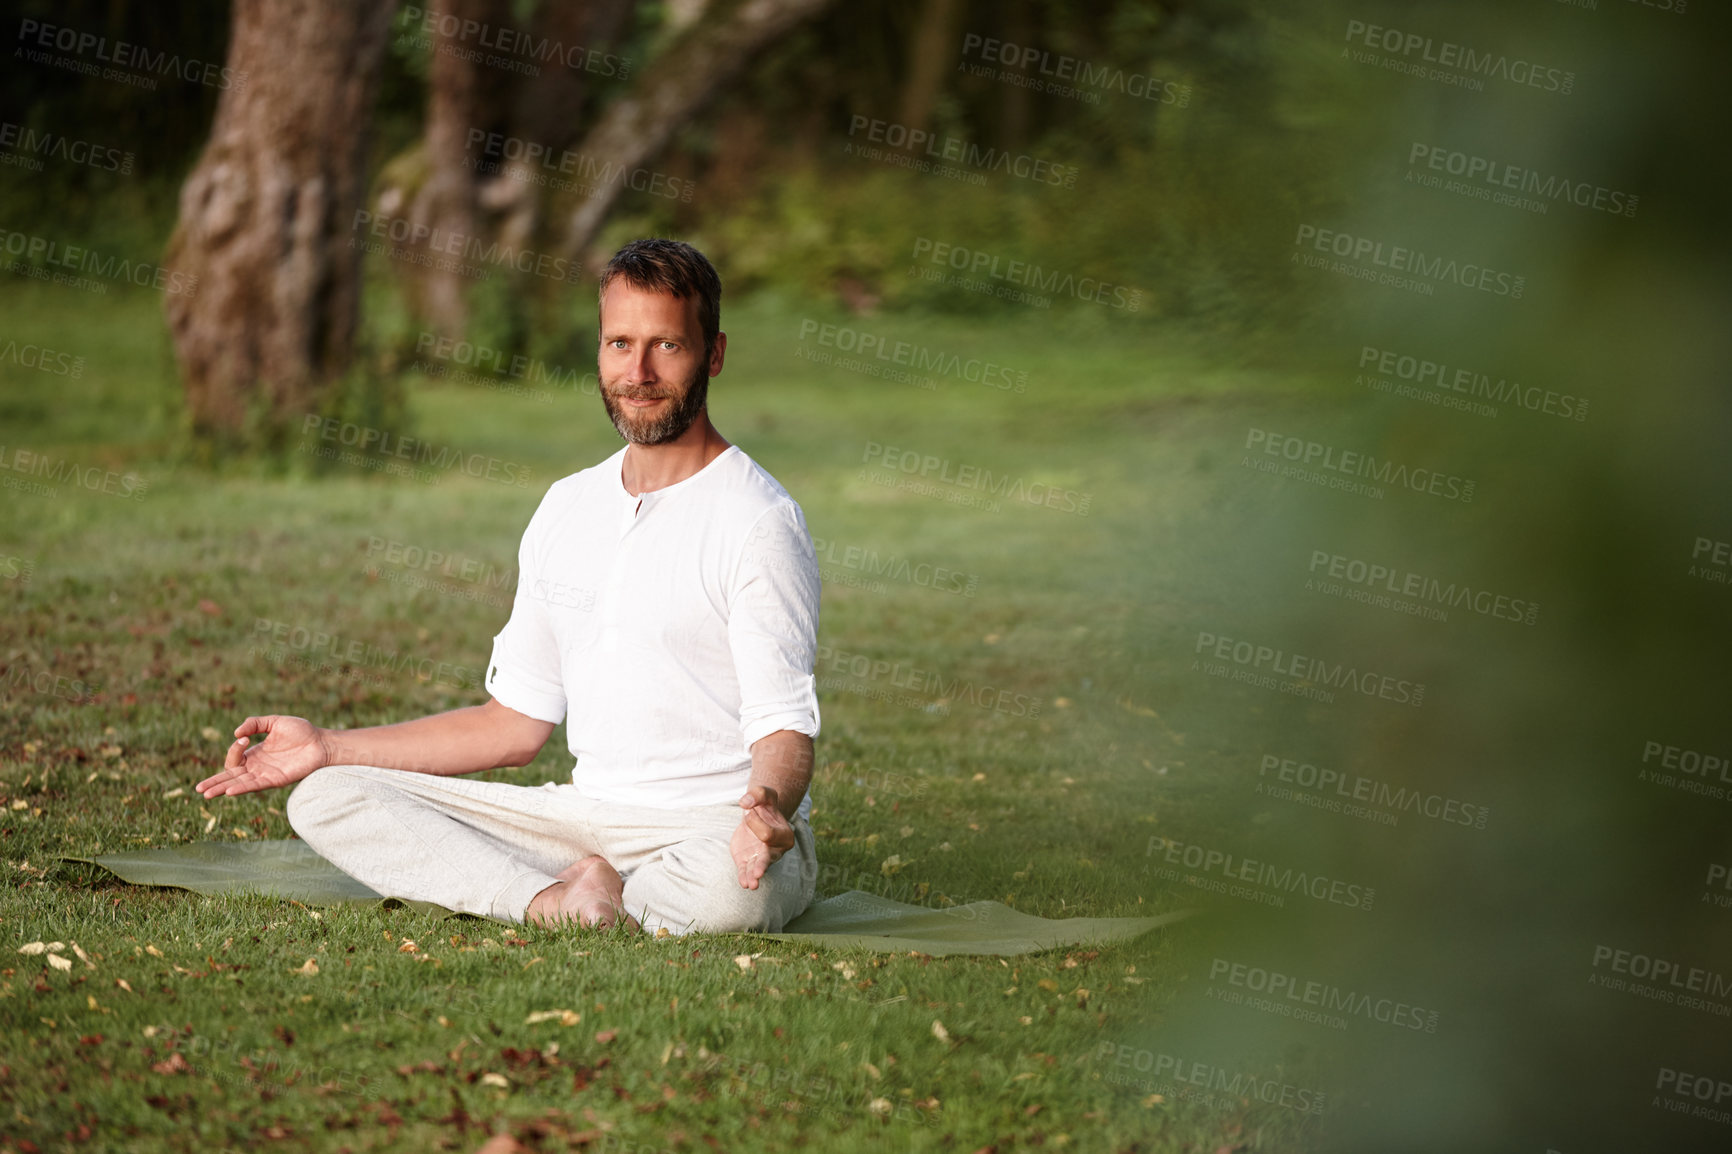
(717, 353)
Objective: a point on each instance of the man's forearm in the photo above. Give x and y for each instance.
(782, 761)
(466, 740)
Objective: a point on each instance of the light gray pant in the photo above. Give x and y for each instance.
(484, 847)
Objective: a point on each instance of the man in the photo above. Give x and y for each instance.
(667, 609)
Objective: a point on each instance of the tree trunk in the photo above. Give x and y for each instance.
(266, 217)
(932, 53)
(464, 96)
(549, 108)
(1013, 128)
(705, 56)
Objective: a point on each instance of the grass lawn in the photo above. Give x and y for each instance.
(138, 632)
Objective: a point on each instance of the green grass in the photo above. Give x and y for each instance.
(150, 612)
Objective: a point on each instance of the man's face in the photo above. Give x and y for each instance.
(654, 375)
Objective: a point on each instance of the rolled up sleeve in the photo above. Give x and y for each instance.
(773, 626)
(524, 671)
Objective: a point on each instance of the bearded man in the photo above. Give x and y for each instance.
(667, 611)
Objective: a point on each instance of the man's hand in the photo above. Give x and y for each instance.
(763, 835)
(293, 748)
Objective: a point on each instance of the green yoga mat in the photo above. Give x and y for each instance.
(290, 869)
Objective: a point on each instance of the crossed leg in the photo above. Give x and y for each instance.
(547, 854)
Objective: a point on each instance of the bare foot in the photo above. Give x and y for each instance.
(589, 892)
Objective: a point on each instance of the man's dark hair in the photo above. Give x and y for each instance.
(674, 267)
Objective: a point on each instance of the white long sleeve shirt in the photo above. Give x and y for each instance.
(672, 629)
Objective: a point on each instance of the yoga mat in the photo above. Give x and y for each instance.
(290, 869)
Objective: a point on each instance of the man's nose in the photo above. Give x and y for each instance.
(640, 370)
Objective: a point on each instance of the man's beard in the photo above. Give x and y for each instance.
(671, 424)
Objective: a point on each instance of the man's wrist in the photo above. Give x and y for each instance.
(329, 745)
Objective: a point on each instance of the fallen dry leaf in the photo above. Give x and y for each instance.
(32, 948)
(603, 1037)
(939, 1032)
(59, 962)
(209, 733)
(500, 1080)
(153, 951)
(563, 1017)
(173, 1064)
(307, 968)
(123, 984)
